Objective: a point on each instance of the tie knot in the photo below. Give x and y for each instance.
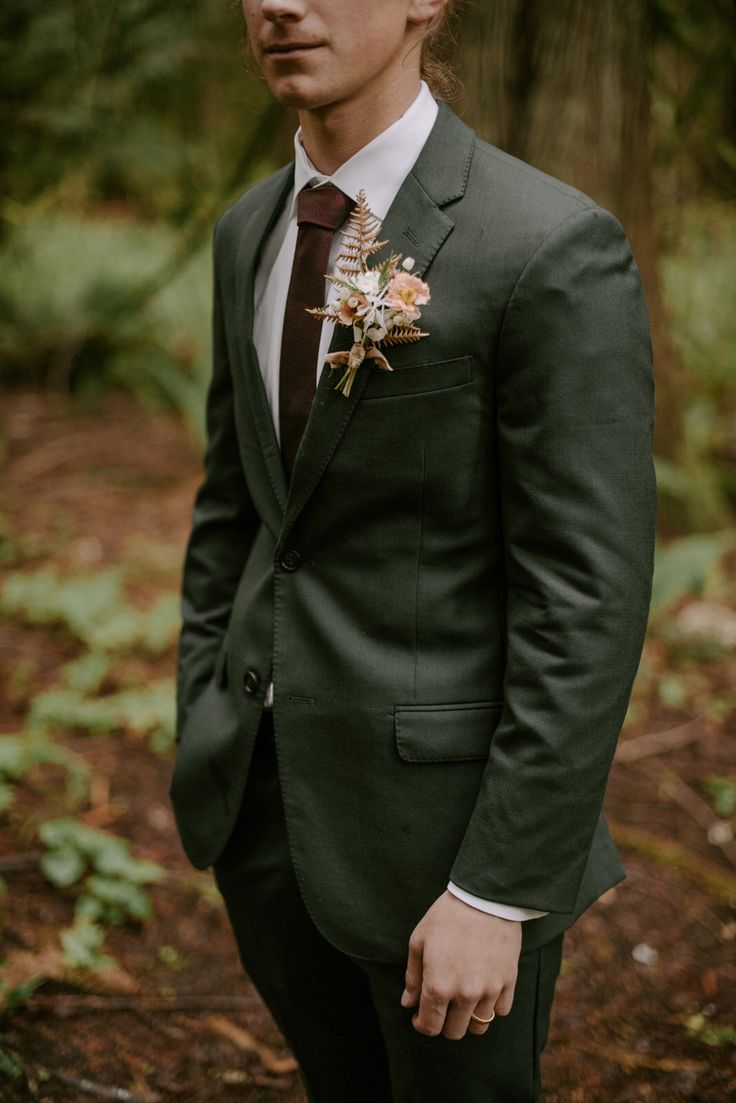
(324, 206)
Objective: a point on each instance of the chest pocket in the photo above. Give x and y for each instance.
(419, 378)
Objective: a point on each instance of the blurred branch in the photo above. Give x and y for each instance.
(717, 831)
(633, 1059)
(11, 863)
(716, 882)
(64, 1005)
(660, 742)
(244, 1040)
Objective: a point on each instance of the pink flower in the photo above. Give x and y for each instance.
(407, 293)
(349, 306)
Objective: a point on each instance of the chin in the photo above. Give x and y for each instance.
(303, 93)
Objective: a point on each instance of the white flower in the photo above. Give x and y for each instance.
(367, 282)
(407, 263)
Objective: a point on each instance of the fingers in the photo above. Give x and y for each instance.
(504, 1001)
(413, 977)
(441, 1012)
(450, 981)
(433, 1009)
(491, 1007)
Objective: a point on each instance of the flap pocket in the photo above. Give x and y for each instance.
(419, 378)
(446, 733)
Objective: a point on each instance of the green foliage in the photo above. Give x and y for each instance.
(66, 284)
(82, 943)
(171, 957)
(672, 691)
(710, 1033)
(687, 566)
(722, 790)
(109, 855)
(147, 711)
(693, 84)
(698, 275)
(15, 549)
(133, 118)
(93, 608)
(112, 890)
(62, 866)
(19, 754)
(87, 673)
(11, 1065)
(13, 999)
(116, 178)
(117, 899)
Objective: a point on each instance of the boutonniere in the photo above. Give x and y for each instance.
(381, 304)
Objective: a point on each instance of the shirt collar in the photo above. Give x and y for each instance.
(381, 166)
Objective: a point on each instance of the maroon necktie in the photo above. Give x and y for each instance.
(320, 211)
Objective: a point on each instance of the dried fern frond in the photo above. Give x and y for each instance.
(340, 282)
(359, 239)
(347, 267)
(320, 312)
(403, 335)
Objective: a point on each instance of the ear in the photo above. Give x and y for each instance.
(425, 11)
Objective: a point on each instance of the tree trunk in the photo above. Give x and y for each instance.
(565, 85)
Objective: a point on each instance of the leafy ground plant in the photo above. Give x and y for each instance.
(93, 608)
(19, 754)
(11, 1065)
(722, 791)
(113, 883)
(147, 711)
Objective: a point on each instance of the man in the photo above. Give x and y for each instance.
(412, 615)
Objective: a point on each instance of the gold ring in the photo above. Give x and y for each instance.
(475, 1018)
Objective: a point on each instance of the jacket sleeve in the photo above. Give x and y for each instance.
(575, 414)
(224, 523)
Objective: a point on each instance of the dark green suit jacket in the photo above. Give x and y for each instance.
(452, 594)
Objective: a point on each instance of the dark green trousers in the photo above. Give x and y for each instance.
(341, 1016)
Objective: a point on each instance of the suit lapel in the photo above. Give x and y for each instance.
(255, 404)
(416, 226)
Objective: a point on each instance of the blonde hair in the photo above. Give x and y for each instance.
(437, 46)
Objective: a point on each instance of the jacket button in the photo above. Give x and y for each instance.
(291, 560)
(251, 681)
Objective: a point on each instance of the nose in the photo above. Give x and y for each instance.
(283, 11)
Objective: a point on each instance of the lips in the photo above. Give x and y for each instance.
(290, 47)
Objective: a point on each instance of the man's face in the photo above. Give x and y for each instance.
(315, 53)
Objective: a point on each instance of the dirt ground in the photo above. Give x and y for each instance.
(649, 974)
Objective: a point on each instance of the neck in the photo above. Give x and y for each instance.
(332, 134)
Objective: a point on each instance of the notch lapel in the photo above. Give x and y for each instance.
(251, 399)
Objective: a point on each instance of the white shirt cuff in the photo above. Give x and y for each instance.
(505, 911)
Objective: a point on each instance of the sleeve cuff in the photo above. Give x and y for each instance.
(505, 911)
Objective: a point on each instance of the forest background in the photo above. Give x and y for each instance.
(126, 128)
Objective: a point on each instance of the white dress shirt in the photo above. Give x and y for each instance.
(379, 168)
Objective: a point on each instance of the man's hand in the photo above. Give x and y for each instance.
(461, 959)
